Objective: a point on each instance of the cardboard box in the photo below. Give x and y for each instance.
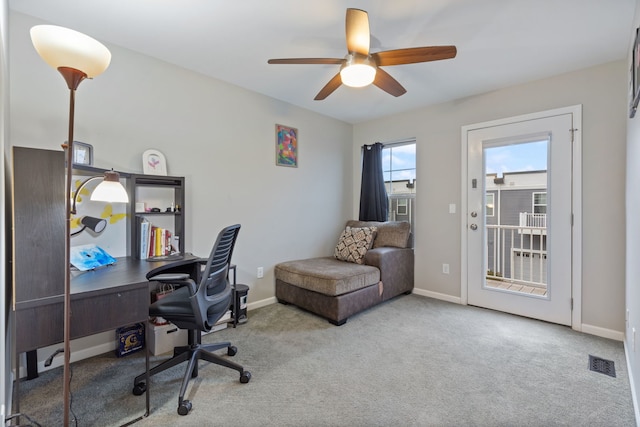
(163, 338)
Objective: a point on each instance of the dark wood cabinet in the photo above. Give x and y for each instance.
(38, 192)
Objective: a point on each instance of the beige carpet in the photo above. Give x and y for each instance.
(412, 361)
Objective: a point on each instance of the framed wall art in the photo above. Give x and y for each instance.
(82, 153)
(635, 75)
(286, 146)
(154, 163)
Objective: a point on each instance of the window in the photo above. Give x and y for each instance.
(489, 208)
(540, 203)
(402, 207)
(399, 170)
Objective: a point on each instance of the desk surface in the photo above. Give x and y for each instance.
(125, 272)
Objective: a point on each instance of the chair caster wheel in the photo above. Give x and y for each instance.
(245, 377)
(184, 407)
(232, 350)
(139, 389)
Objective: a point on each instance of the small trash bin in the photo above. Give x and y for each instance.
(240, 304)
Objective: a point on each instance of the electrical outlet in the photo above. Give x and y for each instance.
(445, 268)
(260, 273)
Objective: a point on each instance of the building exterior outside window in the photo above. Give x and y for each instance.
(399, 170)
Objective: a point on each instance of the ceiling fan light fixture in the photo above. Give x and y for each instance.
(357, 71)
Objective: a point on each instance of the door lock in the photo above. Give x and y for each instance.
(474, 227)
(474, 214)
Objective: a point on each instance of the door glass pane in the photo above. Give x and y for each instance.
(516, 219)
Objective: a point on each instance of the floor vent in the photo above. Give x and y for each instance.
(603, 366)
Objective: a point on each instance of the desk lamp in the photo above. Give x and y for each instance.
(109, 190)
(77, 57)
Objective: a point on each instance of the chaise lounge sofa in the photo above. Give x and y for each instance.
(372, 262)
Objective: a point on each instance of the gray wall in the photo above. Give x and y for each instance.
(602, 91)
(633, 242)
(219, 136)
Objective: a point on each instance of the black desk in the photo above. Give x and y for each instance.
(101, 300)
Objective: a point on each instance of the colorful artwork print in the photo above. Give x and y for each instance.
(286, 146)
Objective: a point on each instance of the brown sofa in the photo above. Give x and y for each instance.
(336, 289)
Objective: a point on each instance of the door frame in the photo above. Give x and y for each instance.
(576, 202)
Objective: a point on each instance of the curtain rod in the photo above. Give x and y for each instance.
(393, 143)
(368, 147)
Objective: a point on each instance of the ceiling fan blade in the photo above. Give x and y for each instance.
(306, 61)
(328, 89)
(413, 55)
(388, 84)
(357, 29)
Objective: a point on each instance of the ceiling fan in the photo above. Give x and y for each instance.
(361, 68)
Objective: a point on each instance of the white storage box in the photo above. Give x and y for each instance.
(220, 324)
(163, 338)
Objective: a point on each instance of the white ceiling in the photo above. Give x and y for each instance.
(500, 42)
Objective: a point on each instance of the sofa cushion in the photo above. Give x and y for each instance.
(327, 276)
(393, 234)
(353, 244)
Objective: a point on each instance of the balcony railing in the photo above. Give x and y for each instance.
(533, 219)
(517, 254)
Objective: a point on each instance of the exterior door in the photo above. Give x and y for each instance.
(522, 265)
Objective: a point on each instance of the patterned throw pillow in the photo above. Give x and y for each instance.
(354, 244)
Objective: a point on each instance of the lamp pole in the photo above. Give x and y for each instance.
(73, 78)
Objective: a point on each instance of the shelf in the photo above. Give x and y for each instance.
(161, 192)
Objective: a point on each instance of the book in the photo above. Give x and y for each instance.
(144, 238)
(154, 241)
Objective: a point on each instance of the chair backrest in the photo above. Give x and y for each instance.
(213, 297)
(222, 249)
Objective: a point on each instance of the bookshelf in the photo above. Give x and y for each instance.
(165, 196)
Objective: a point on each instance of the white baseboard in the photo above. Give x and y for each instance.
(634, 392)
(602, 332)
(589, 329)
(262, 303)
(437, 295)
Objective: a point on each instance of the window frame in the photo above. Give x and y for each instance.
(534, 204)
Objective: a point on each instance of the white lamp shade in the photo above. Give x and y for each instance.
(109, 191)
(357, 75)
(62, 47)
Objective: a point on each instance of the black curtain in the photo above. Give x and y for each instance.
(374, 205)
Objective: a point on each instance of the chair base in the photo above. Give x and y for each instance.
(192, 354)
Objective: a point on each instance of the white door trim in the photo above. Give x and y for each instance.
(576, 202)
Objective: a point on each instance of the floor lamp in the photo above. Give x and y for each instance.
(77, 57)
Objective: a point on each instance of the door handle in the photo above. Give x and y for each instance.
(474, 227)
(474, 214)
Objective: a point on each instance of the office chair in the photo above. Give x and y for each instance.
(197, 307)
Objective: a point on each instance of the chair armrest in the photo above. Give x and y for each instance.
(180, 279)
(169, 277)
